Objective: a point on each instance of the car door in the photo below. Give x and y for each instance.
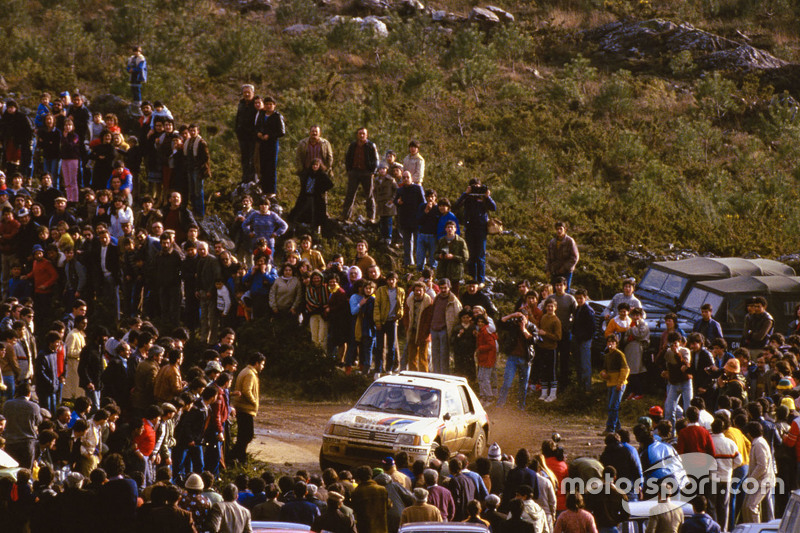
(471, 424)
(453, 426)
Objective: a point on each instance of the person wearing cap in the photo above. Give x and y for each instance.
(421, 511)
(195, 503)
(444, 317)
(398, 477)
(361, 162)
(473, 296)
(476, 205)
(269, 128)
(732, 383)
(333, 519)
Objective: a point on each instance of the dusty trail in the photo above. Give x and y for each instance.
(289, 433)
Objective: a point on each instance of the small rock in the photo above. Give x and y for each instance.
(483, 15)
(408, 8)
(371, 6)
(374, 24)
(502, 14)
(246, 6)
(298, 29)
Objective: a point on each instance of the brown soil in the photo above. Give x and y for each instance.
(289, 433)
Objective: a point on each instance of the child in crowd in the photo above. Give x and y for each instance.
(615, 373)
(463, 344)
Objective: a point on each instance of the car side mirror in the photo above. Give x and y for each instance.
(446, 416)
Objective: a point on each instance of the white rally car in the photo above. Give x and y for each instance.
(413, 412)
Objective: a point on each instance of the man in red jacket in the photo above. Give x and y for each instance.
(9, 227)
(145, 442)
(44, 277)
(219, 411)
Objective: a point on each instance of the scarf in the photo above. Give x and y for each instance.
(316, 297)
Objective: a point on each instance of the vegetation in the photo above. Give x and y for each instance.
(667, 155)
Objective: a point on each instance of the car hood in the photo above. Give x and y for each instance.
(385, 422)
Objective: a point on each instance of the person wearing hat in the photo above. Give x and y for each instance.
(194, 502)
(421, 511)
(472, 296)
(656, 413)
(732, 383)
(477, 202)
(398, 477)
(333, 519)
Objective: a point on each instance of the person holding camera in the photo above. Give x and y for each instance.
(477, 203)
(521, 333)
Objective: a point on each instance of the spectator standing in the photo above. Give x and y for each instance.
(562, 255)
(137, 68)
(414, 162)
(615, 373)
(409, 198)
(444, 318)
(361, 162)
(198, 163)
(388, 311)
(477, 202)
(22, 417)
(311, 148)
(245, 131)
(709, 328)
(370, 503)
(246, 404)
(269, 128)
(228, 516)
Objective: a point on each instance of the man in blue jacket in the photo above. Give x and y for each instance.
(477, 203)
(137, 68)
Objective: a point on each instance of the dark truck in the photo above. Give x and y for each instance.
(729, 300)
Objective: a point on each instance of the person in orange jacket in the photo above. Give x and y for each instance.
(43, 276)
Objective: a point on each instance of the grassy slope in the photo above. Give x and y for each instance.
(667, 156)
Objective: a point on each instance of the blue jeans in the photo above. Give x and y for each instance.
(409, 242)
(673, 391)
(386, 338)
(583, 351)
(53, 167)
(476, 243)
(187, 460)
(8, 394)
(515, 366)
(196, 193)
(614, 398)
(94, 396)
(367, 347)
(426, 247)
(440, 352)
(136, 92)
(386, 229)
(564, 358)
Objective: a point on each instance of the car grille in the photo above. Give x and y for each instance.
(375, 436)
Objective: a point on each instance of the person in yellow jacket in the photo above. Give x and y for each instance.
(615, 372)
(388, 311)
(245, 400)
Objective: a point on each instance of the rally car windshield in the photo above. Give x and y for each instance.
(401, 399)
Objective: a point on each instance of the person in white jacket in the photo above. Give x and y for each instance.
(414, 163)
(728, 458)
(760, 475)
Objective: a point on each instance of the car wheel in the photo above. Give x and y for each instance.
(480, 445)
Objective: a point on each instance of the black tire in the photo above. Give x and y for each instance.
(480, 445)
(324, 462)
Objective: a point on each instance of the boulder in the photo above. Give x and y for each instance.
(298, 29)
(656, 40)
(502, 14)
(483, 16)
(375, 25)
(446, 17)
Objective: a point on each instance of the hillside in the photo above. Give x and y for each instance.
(638, 146)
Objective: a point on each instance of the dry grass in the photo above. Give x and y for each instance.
(575, 19)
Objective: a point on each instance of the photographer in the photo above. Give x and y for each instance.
(477, 202)
(521, 333)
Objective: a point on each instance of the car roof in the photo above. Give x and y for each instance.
(757, 285)
(277, 527)
(724, 267)
(443, 527)
(423, 378)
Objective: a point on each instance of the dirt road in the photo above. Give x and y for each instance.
(289, 433)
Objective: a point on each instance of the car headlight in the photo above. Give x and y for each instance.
(336, 430)
(410, 440)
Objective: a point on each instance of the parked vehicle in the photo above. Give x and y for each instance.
(729, 300)
(414, 412)
(443, 527)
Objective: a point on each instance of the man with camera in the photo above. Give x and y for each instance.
(477, 203)
(521, 333)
